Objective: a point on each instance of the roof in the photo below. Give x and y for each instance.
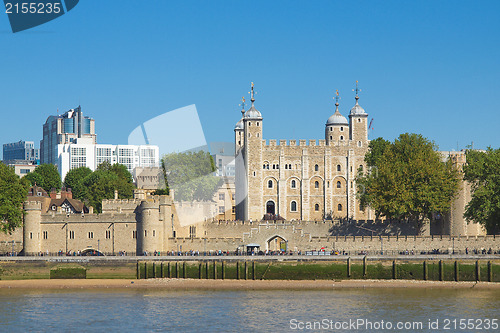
(77, 205)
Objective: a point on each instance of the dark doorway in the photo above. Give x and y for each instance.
(270, 209)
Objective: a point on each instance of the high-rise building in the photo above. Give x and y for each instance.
(64, 129)
(20, 151)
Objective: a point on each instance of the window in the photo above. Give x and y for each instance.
(341, 128)
(359, 143)
(360, 168)
(359, 120)
(339, 207)
(331, 129)
(316, 207)
(233, 210)
(72, 235)
(232, 196)
(91, 234)
(221, 196)
(316, 167)
(328, 184)
(154, 233)
(145, 233)
(45, 235)
(108, 234)
(293, 183)
(290, 166)
(339, 184)
(134, 234)
(270, 184)
(192, 231)
(286, 166)
(221, 210)
(293, 206)
(341, 138)
(339, 168)
(316, 184)
(331, 137)
(257, 123)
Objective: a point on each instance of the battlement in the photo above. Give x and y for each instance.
(32, 205)
(306, 143)
(53, 217)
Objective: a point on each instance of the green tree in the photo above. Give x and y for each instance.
(377, 148)
(13, 192)
(45, 176)
(102, 183)
(482, 171)
(190, 174)
(74, 180)
(409, 181)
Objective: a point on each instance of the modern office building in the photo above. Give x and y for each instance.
(223, 156)
(84, 153)
(65, 129)
(20, 151)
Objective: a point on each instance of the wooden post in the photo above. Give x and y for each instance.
(162, 270)
(490, 272)
(237, 270)
(206, 270)
(183, 269)
(441, 273)
(349, 267)
(223, 270)
(478, 271)
(394, 270)
(169, 273)
(145, 270)
(364, 266)
(426, 272)
(246, 270)
(253, 270)
(199, 271)
(176, 269)
(215, 270)
(154, 270)
(138, 269)
(457, 273)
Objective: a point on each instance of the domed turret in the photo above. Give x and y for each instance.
(334, 129)
(239, 125)
(357, 110)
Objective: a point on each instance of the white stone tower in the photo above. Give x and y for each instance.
(32, 227)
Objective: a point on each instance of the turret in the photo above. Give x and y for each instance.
(32, 227)
(239, 133)
(150, 230)
(358, 122)
(336, 128)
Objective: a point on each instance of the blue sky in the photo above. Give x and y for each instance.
(429, 67)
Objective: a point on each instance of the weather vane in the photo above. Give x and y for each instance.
(357, 90)
(242, 104)
(337, 98)
(252, 92)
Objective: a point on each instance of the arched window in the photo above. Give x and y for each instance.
(331, 137)
(316, 184)
(341, 128)
(316, 167)
(270, 184)
(316, 207)
(341, 137)
(361, 168)
(286, 166)
(339, 207)
(339, 184)
(339, 167)
(290, 166)
(293, 206)
(293, 184)
(331, 129)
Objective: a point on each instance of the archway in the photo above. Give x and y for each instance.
(91, 252)
(277, 243)
(270, 207)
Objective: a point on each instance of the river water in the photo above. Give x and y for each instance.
(249, 311)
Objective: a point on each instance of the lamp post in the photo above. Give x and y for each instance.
(453, 239)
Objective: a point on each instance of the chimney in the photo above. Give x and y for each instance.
(53, 193)
(91, 210)
(116, 194)
(69, 194)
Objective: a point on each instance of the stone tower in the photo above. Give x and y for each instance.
(32, 227)
(252, 124)
(239, 133)
(336, 128)
(150, 229)
(358, 127)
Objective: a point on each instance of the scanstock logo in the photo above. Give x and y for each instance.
(26, 14)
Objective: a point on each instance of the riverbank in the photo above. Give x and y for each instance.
(194, 284)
